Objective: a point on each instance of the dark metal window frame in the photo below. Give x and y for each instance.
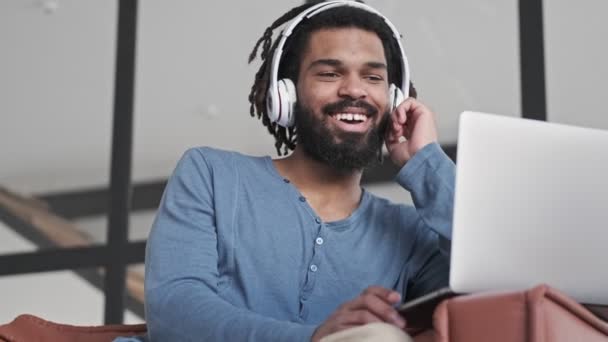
(118, 253)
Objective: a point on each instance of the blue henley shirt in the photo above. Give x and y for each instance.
(237, 254)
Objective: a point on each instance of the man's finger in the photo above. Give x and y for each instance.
(381, 308)
(383, 292)
(401, 115)
(358, 317)
(379, 302)
(406, 107)
(395, 133)
(373, 295)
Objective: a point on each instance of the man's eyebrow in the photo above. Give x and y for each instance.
(376, 65)
(337, 63)
(325, 61)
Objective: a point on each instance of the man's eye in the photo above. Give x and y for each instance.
(375, 78)
(328, 74)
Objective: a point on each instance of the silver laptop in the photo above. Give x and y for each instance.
(531, 206)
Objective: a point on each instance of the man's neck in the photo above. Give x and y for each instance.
(332, 193)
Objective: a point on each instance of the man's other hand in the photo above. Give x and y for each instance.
(411, 127)
(375, 304)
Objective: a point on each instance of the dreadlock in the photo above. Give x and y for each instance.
(285, 138)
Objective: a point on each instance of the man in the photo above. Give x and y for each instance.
(293, 249)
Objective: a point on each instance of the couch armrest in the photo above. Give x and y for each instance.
(541, 314)
(553, 316)
(29, 328)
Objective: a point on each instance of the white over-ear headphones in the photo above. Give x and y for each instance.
(281, 97)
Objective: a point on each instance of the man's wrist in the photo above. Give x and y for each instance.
(408, 173)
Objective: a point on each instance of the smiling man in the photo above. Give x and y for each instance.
(294, 249)
(342, 88)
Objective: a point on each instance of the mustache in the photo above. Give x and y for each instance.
(341, 105)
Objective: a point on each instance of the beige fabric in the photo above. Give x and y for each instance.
(383, 332)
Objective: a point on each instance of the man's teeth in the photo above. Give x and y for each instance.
(350, 117)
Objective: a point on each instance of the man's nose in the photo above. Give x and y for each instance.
(352, 87)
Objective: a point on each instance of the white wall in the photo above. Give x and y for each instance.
(57, 74)
(192, 79)
(56, 88)
(576, 54)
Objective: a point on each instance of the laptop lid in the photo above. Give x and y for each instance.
(531, 206)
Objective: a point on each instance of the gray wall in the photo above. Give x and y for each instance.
(577, 72)
(57, 74)
(57, 70)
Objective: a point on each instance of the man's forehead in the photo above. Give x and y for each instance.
(341, 43)
(342, 33)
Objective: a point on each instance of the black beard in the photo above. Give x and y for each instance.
(354, 151)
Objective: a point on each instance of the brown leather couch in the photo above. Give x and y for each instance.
(28, 328)
(541, 314)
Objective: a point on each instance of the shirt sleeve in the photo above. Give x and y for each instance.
(182, 301)
(430, 177)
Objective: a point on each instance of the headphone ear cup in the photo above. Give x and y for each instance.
(395, 97)
(272, 105)
(287, 100)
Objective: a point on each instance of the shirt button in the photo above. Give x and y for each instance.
(318, 220)
(285, 180)
(314, 268)
(319, 241)
(302, 199)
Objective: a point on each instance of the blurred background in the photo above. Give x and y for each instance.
(72, 72)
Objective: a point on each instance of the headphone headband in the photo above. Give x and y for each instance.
(273, 100)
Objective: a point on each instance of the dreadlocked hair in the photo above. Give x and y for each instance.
(286, 137)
